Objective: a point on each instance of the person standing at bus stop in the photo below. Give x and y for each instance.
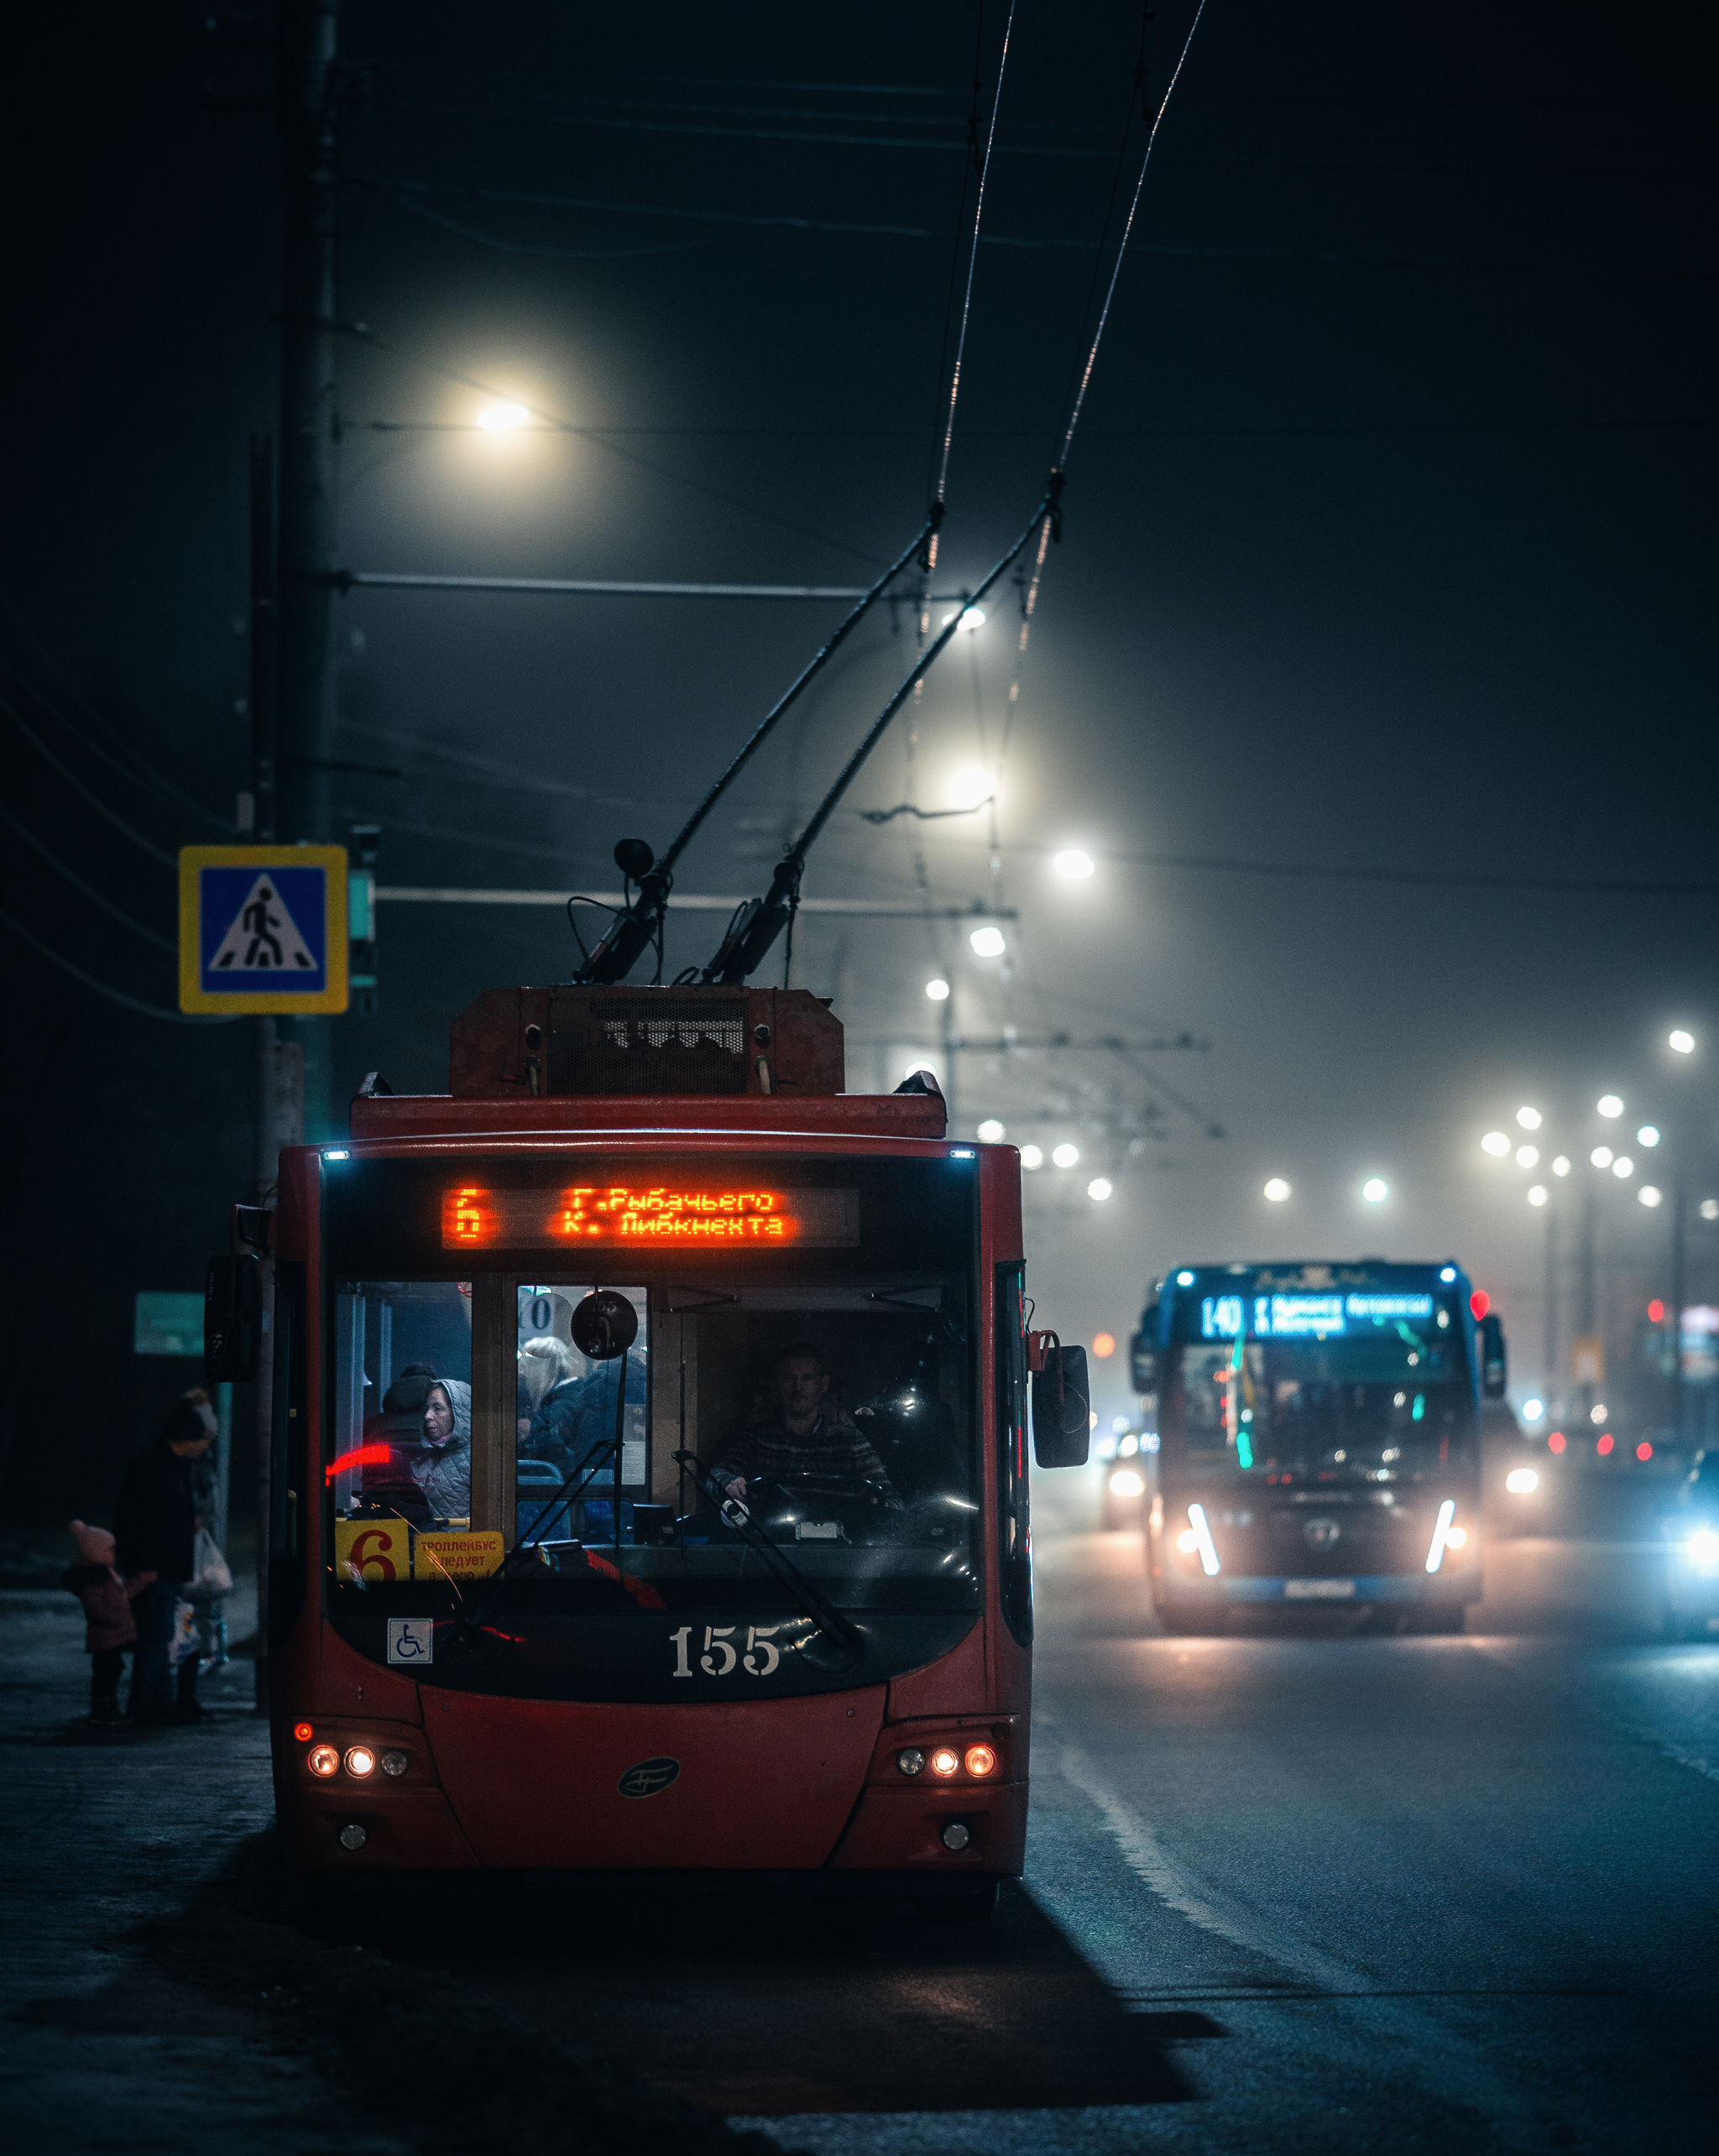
(155, 1528)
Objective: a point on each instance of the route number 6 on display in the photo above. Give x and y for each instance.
(720, 1657)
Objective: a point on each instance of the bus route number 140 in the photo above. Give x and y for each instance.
(720, 1657)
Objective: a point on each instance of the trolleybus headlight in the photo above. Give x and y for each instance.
(945, 1761)
(1126, 1482)
(981, 1761)
(323, 1759)
(912, 1761)
(1702, 1547)
(395, 1763)
(1522, 1482)
(361, 1761)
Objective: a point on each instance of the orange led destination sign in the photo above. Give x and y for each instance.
(657, 1215)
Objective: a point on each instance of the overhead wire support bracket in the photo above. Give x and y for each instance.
(640, 923)
(756, 925)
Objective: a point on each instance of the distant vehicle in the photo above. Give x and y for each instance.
(1692, 1553)
(1319, 1430)
(1122, 1456)
(1519, 1489)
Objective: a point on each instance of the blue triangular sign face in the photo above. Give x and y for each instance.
(263, 937)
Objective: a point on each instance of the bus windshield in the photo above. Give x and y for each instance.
(1383, 1396)
(823, 1379)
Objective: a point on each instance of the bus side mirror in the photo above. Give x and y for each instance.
(1062, 1402)
(1494, 1365)
(232, 1320)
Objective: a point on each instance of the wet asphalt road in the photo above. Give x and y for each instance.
(1286, 1891)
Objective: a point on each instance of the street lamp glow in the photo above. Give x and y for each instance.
(1528, 1156)
(1561, 1165)
(1685, 1043)
(1277, 1190)
(1064, 1156)
(1496, 1143)
(1532, 1410)
(1375, 1190)
(971, 789)
(1648, 1196)
(1600, 1157)
(937, 990)
(503, 419)
(1710, 1208)
(1099, 1188)
(1072, 863)
(1610, 1104)
(1598, 1412)
(1537, 1195)
(972, 617)
(1647, 1136)
(1622, 1167)
(1031, 1157)
(988, 943)
(990, 1131)
(1530, 1118)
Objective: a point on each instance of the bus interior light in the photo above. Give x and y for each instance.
(981, 1761)
(1441, 1534)
(360, 1761)
(323, 1760)
(1203, 1541)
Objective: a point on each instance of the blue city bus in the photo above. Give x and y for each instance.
(1317, 1430)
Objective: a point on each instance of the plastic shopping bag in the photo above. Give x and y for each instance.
(187, 1641)
(210, 1576)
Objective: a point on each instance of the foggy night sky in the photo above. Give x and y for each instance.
(1387, 547)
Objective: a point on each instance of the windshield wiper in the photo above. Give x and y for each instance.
(515, 1563)
(845, 1645)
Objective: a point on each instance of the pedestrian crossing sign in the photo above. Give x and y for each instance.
(262, 929)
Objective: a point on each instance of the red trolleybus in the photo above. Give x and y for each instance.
(649, 1485)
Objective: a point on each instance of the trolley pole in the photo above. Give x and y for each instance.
(309, 37)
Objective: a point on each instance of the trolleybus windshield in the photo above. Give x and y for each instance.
(1345, 1386)
(804, 1349)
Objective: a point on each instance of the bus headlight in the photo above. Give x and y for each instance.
(361, 1761)
(323, 1759)
(945, 1761)
(981, 1761)
(1702, 1549)
(1522, 1482)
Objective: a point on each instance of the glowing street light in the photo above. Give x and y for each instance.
(937, 990)
(1683, 1042)
(1537, 1195)
(1065, 1156)
(972, 617)
(1600, 1157)
(1375, 1190)
(1277, 1190)
(1622, 1167)
(1561, 1165)
(503, 419)
(1072, 863)
(1496, 1143)
(1610, 1104)
(990, 1131)
(1649, 1196)
(1528, 1156)
(1530, 1118)
(1647, 1136)
(971, 789)
(988, 943)
(1031, 1157)
(1099, 1188)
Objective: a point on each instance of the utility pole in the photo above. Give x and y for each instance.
(308, 33)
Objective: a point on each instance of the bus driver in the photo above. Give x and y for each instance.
(802, 1435)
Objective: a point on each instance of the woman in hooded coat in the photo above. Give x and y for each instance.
(443, 1471)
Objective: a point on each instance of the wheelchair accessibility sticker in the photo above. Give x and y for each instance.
(410, 1640)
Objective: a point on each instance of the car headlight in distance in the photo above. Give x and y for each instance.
(360, 1761)
(323, 1760)
(1188, 1542)
(1702, 1547)
(1126, 1482)
(1522, 1482)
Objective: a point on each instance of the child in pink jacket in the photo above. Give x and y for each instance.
(109, 1629)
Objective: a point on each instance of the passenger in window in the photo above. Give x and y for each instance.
(578, 1412)
(801, 1431)
(548, 1371)
(443, 1472)
(391, 1484)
